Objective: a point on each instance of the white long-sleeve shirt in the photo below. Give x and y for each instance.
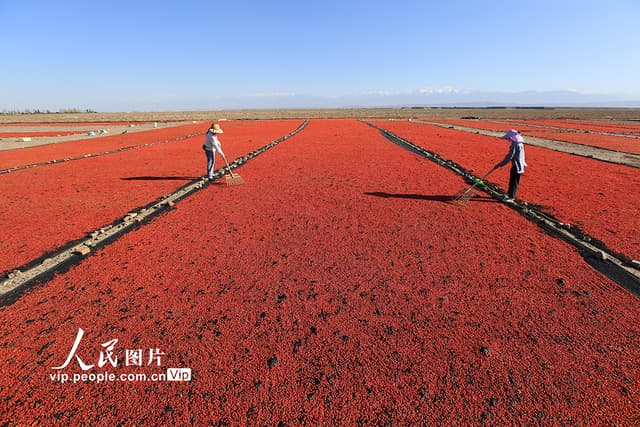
(516, 156)
(211, 143)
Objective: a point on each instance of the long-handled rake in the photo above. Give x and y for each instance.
(232, 178)
(463, 197)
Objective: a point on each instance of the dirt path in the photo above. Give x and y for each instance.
(602, 154)
(10, 143)
(568, 129)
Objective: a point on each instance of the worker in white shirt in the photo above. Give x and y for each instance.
(211, 146)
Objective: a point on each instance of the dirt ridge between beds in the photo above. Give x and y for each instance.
(602, 154)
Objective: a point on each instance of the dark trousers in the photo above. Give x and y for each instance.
(514, 180)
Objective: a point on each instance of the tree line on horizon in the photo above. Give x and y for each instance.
(39, 111)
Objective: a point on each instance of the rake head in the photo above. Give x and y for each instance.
(463, 197)
(233, 179)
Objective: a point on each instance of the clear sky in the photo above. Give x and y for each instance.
(161, 55)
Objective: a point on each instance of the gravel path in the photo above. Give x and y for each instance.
(18, 142)
(566, 147)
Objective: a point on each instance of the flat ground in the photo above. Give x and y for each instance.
(617, 114)
(116, 123)
(340, 285)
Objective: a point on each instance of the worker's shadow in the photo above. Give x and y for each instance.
(160, 178)
(433, 198)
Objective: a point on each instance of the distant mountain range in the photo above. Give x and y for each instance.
(425, 99)
(438, 98)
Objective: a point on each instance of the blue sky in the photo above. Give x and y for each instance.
(163, 55)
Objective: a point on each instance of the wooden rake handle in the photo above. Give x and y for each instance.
(479, 180)
(484, 176)
(226, 163)
(490, 172)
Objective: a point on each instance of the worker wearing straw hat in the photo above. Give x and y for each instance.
(516, 157)
(211, 146)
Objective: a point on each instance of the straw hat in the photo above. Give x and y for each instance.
(216, 128)
(513, 135)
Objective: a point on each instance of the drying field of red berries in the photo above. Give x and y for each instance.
(337, 286)
(63, 150)
(597, 197)
(4, 134)
(61, 202)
